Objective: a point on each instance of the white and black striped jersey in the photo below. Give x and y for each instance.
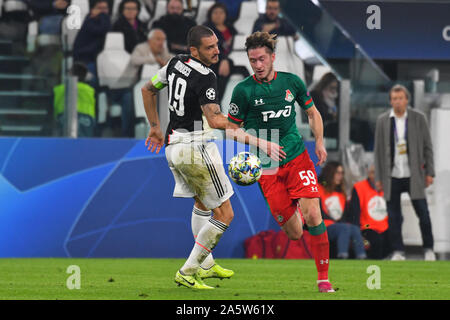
(191, 84)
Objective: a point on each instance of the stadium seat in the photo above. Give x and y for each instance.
(319, 71)
(33, 29)
(14, 5)
(144, 15)
(445, 101)
(142, 126)
(286, 60)
(148, 71)
(238, 54)
(113, 61)
(160, 10)
(203, 11)
(84, 7)
(115, 110)
(247, 16)
(137, 97)
(305, 52)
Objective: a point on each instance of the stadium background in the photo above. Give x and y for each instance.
(63, 197)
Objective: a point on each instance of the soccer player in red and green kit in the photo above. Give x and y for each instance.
(263, 104)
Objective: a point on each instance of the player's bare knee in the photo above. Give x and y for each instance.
(312, 214)
(293, 233)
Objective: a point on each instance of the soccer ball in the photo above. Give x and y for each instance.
(245, 168)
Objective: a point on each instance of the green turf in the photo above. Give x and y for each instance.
(254, 279)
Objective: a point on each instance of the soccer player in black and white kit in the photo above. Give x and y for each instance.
(193, 158)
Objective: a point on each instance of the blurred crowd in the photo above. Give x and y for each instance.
(149, 41)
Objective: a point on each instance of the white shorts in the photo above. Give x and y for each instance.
(198, 171)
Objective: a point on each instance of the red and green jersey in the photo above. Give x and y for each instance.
(267, 110)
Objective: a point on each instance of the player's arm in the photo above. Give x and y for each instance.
(316, 125)
(273, 150)
(216, 119)
(314, 118)
(155, 139)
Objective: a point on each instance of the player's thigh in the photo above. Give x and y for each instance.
(301, 178)
(206, 175)
(293, 227)
(182, 188)
(281, 206)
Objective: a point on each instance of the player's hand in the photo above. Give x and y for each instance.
(321, 153)
(273, 150)
(155, 140)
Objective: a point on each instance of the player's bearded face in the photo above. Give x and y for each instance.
(261, 61)
(208, 52)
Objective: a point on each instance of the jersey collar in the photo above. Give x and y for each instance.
(269, 82)
(198, 65)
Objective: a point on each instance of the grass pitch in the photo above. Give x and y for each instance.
(143, 279)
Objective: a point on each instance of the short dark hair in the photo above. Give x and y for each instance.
(122, 5)
(79, 70)
(93, 3)
(180, 1)
(195, 35)
(261, 39)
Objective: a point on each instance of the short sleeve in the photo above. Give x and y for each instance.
(303, 97)
(159, 80)
(237, 110)
(208, 89)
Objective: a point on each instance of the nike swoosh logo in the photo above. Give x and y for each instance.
(191, 283)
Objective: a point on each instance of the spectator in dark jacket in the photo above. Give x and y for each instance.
(91, 37)
(176, 26)
(42, 8)
(133, 29)
(50, 14)
(271, 21)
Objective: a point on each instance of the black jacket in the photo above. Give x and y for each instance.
(176, 29)
(91, 38)
(132, 36)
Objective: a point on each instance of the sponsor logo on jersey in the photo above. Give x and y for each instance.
(211, 94)
(184, 69)
(233, 109)
(259, 102)
(286, 112)
(289, 96)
